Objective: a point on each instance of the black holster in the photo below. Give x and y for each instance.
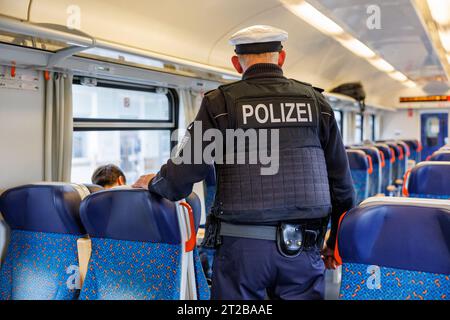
(212, 237)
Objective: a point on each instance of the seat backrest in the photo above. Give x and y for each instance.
(440, 156)
(136, 246)
(376, 174)
(398, 160)
(395, 249)
(388, 160)
(406, 154)
(416, 148)
(359, 167)
(429, 180)
(41, 261)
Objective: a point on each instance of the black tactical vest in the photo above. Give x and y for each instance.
(300, 189)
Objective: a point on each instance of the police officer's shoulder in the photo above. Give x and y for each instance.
(320, 90)
(215, 101)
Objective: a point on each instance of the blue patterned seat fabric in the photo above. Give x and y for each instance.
(361, 184)
(392, 250)
(369, 282)
(41, 261)
(430, 180)
(359, 167)
(40, 266)
(132, 270)
(376, 176)
(135, 256)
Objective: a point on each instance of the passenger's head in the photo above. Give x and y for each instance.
(242, 62)
(109, 176)
(258, 44)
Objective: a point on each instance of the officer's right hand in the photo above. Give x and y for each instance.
(143, 181)
(329, 259)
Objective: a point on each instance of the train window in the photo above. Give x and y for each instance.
(135, 151)
(338, 115)
(109, 103)
(129, 126)
(359, 134)
(372, 125)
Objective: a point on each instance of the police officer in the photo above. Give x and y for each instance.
(268, 229)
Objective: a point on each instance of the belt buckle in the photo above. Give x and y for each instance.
(290, 239)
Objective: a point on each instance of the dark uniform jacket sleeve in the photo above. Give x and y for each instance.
(175, 181)
(339, 176)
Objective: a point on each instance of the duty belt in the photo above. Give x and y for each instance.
(292, 236)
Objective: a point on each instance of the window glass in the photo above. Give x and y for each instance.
(95, 102)
(135, 151)
(339, 119)
(358, 128)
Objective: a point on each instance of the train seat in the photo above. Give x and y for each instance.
(359, 167)
(137, 247)
(440, 156)
(428, 180)
(389, 160)
(41, 262)
(378, 165)
(415, 148)
(395, 249)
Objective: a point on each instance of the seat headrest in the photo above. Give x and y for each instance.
(441, 156)
(46, 207)
(372, 152)
(357, 160)
(386, 151)
(132, 215)
(430, 178)
(410, 234)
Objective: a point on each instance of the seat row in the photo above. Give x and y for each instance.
(68, 242)
(379, 168)
(395, 249)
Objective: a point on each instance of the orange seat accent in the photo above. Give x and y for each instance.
(393, 159)
(370, 170)
(405, 183)
(383, 159)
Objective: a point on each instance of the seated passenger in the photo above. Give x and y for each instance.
(109, 176)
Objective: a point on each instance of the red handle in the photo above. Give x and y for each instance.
(192, 241)
(405, 183)
(393, 155)
(383, 159)
(370, 171)
(13, 71)
(46, 75)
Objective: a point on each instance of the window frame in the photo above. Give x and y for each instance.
(102, 124)
(373, 118)
(361, 127)
(341, 121)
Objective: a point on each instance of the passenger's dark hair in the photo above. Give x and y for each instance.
(107, 175)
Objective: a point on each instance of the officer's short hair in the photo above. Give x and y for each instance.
(107, 175)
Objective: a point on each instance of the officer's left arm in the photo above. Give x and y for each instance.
(175, 181)
(339, 175)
